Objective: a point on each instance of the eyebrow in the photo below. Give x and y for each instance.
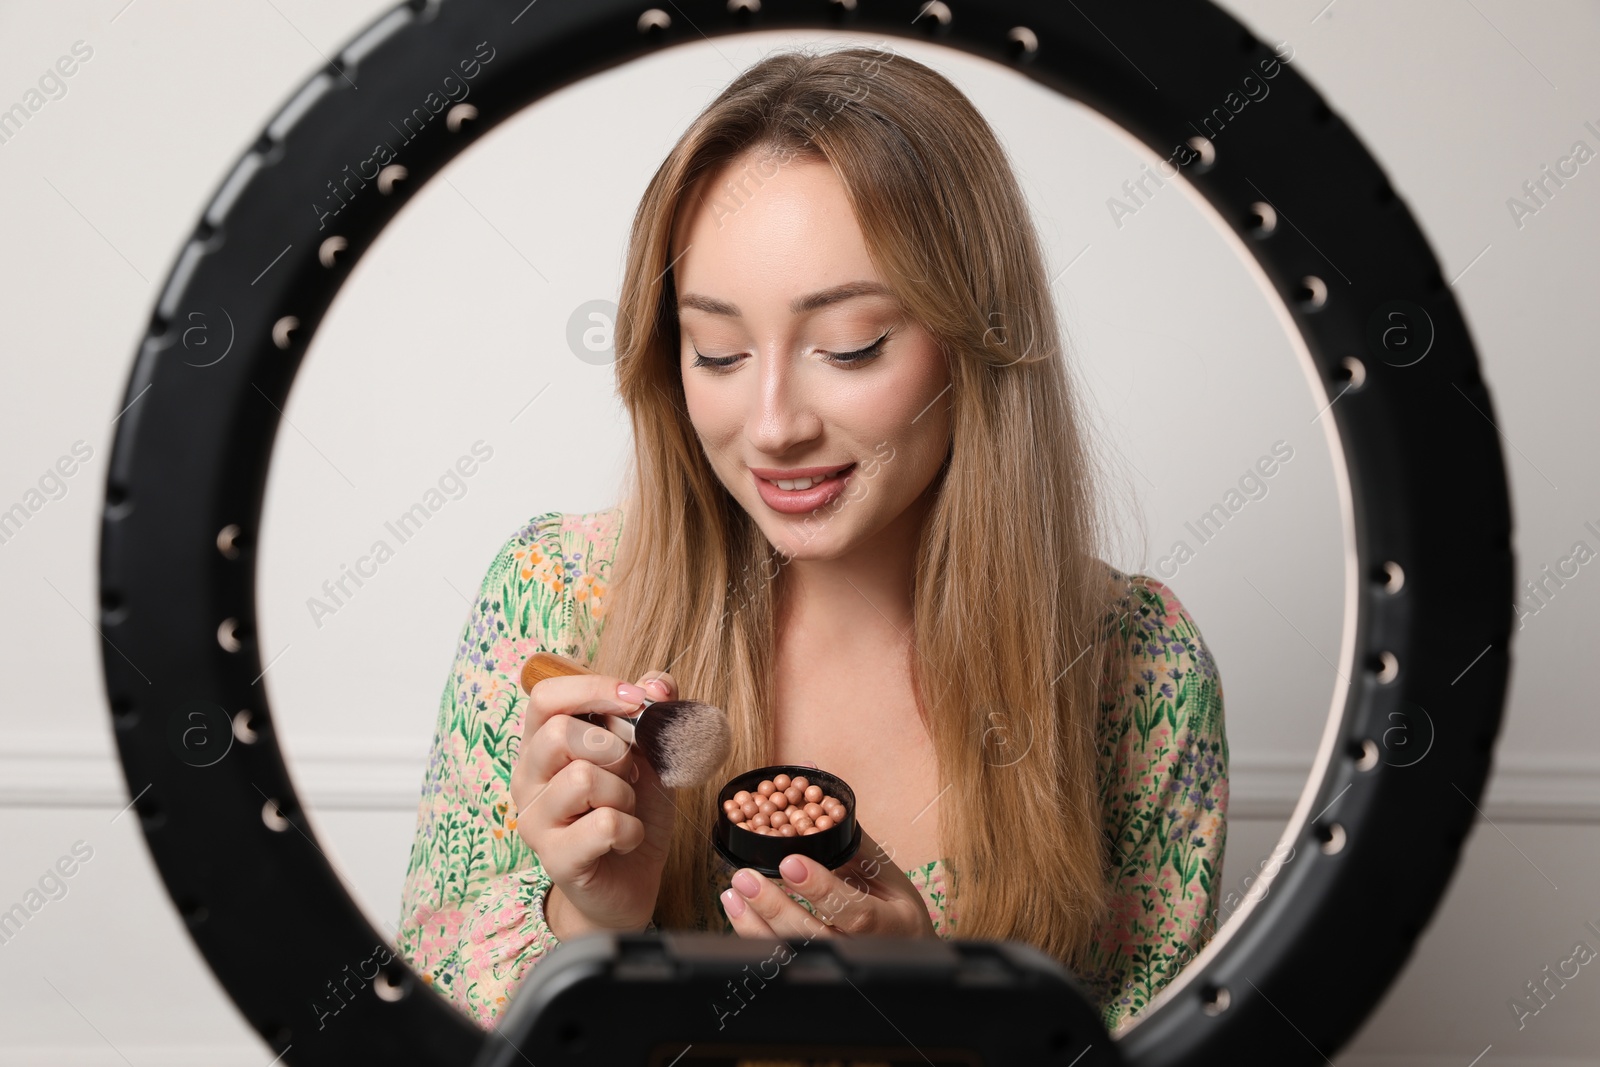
(799, 306)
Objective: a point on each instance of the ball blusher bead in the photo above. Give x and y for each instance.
(837, 844)
(771, 808)
(768, 813)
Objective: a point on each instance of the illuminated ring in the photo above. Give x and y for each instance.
(1423, 491)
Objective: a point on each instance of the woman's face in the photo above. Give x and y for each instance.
(820, 367)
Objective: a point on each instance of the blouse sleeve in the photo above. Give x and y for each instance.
(472, 908)
(1164, 774)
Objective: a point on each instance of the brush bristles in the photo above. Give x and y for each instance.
(684, 740)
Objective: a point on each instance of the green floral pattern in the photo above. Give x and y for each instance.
(472, 907)
(1164, 801)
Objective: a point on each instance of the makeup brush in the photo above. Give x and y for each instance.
(684, 740)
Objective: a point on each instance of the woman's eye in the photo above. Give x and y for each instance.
(722, 362)
(861, 355)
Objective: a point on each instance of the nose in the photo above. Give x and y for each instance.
(783, 416)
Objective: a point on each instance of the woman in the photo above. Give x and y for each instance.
(834, 272)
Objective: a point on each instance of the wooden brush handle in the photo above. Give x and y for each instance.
(542, 665)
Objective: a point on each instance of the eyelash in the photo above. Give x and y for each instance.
(858, 357)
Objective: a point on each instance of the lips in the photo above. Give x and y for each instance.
(773, 474)
(800, 501)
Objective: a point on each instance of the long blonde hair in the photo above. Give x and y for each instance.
(1009, 601)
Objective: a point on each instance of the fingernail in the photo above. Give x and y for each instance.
(733, 903)
(792, 869)
(813, 766)
(658, 686)
(747, 883)
(630, 693)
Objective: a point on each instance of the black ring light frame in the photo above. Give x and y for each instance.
(1428, 507)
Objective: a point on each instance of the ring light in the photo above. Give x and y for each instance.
(1426, 502)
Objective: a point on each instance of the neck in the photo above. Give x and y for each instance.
(860, 600)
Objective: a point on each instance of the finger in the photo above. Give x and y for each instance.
(746, 923)
(564, 738)
(844, 903)
(660, 685)
(781, 915)
(562, 741)
(749, 923)
(567, 694)
(597, 834)
(581, 787)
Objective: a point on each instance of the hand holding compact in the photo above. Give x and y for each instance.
(867, 895)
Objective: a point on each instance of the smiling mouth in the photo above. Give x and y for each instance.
(801, 484)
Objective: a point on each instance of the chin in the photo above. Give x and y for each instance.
(789, 535)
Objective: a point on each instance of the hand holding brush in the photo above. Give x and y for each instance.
(684, 740)
(588, 800)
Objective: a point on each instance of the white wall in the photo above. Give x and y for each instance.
(1461, 105)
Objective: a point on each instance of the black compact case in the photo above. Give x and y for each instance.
(832, 847)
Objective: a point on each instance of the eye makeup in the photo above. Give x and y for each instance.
(845, 359)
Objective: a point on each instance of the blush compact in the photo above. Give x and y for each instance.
(771, 812)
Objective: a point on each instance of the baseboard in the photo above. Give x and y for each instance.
(99, 1055)
(1523, 787)
(373, 774)
(331, 773)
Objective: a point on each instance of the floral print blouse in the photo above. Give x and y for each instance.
(472, 907)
